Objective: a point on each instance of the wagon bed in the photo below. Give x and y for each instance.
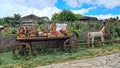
(32, 39)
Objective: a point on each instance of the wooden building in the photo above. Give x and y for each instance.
(31, 19)
(89, 20)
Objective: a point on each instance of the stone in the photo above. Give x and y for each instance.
(103, 61)
(118, 58)
(95, 62)
(78, 61)
(75, 67)
(57, 65)
(81, 65)
(105, 66)
(94, 67)
(100, 66)
(84, 67)
(48, 66)
(66, 65)
(111, 63)
(117, 66)
(61, 65)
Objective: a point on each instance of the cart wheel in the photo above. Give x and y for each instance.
(21, 49)
(67, 45)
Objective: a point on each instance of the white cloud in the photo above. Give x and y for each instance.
(9, 8)
(40, 4)
(48, 11)
(103, 3)
(83, 11)
(73, 3)
(109, 3)
(101, 16)
(42, 7)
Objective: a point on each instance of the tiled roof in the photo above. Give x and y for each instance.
(31, 16)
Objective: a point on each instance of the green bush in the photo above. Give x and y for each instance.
(77, 28)
(1, 61)
(118, 31)
(11, 32)
(14, 31)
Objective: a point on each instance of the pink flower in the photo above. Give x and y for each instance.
(107, 33)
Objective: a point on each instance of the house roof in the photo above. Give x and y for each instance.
(87, 18)
(31, 16)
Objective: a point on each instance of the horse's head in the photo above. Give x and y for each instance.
(103, 29)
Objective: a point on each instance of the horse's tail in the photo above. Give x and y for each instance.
(88, 39)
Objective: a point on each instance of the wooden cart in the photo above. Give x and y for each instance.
(24, 47)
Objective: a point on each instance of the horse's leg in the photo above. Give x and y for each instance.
(99, 41)
(88, 40)
(92, 42)
(102, 39)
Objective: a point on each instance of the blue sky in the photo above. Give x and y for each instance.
(98, 8)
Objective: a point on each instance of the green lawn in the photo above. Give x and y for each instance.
(48, 56)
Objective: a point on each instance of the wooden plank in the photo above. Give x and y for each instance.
(85, 41)
(107, 41)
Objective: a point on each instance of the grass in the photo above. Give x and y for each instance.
(48, 56)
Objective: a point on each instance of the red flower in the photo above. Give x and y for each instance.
(54, 32)
(107, 33)
(110, 21)
(106, 28)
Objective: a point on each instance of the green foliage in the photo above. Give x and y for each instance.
(1, 61)
(78, 16)
(118, 30)
(11, 32)
(113, 30)
(2, 22)
(65, 15)
(17, 16)
(7, 21)
(11, 21)
(16, 19)
(55, 17)
(75, 27)
(84, 27)
(97, 26)
(14, 31)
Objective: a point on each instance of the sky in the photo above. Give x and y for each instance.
(96, 8)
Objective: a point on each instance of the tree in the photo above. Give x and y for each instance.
(16, 19)
(64, 15)
(17, 16)
(12, 21)
(7, 21)
(2, 22)
(55, 17)
(78, 16)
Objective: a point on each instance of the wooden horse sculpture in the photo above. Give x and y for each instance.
(92, 35)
